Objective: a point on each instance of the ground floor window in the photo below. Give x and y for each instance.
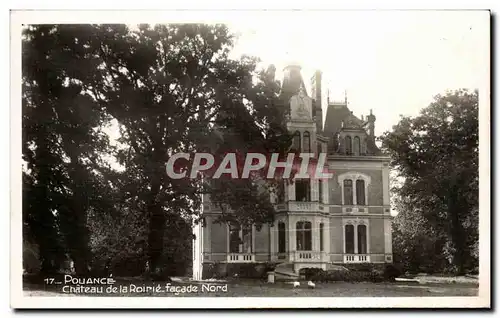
(321, 237)
(240, 238)
(281, 237)
(361, 235)
(349, 239)
(362, 239)
(304, 236)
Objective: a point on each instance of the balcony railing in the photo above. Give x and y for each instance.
(240, 258)
(296, 206)
(355, 209)
(310, 256)
(356, 258)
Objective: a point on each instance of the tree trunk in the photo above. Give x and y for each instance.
(456, 231)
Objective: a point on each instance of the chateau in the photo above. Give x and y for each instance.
(345, 219)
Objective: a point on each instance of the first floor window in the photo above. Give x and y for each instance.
(320, 191)
(281, 238)
(348, 194)
(281, 192)
(321, 237)
(360, 192)
(304, 236)
(302, 190)
(362, 239)
(349, 239)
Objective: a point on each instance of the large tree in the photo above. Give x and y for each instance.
(168, 89)
(63, 144)
(436, 156)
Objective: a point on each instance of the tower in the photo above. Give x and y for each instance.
(292, 82)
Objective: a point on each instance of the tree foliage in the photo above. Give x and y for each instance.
(436, 156)
(169, 89)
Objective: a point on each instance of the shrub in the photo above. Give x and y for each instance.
(391, 272)
(310, 273)
(349, 276)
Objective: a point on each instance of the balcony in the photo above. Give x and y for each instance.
(356, 258)
(240, 258)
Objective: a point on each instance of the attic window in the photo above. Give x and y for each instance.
(357, 146)
(348, 145)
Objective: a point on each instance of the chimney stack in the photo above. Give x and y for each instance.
(371, 124)
(316, 95)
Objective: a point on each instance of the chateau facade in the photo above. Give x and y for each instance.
(345, 219)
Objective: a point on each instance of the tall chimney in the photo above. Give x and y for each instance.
(316, 95)
(371, 124)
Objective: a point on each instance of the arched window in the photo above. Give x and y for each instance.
(348, 145)
(348, 194)
(307, 142)
(304, 236)
(360, 192)
(349, 239)
(357, 146)
(321, 237)
(296, 141)
(362, 249)
(281, 237)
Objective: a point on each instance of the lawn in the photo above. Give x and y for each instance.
(249, 288)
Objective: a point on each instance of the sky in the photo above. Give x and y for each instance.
(393, 62)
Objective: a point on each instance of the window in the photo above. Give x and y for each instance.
(348, 194)
(307, 142)
(360, 192)
(281, 192)
(247, 239)
(320, 150)
(320, 191)
(362, 239)
(302, 190)
(304, 236)
(234, 238)
(281, 237)
(240, 239)
(321, 237)
(296, 141)
(349, 239)
(357, 146)
(348, 145)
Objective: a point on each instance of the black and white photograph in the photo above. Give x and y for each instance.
(259, 159)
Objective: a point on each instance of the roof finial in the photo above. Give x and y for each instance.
(345, 96)
(371, 111)
(328, 96)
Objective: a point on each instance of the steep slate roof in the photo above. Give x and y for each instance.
(336, 113)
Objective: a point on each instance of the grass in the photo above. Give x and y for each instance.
(252, 288)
